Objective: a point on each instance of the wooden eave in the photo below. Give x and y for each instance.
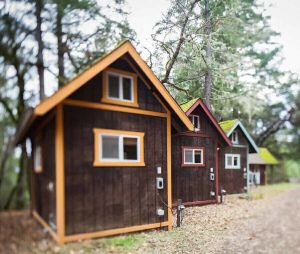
(73, 85)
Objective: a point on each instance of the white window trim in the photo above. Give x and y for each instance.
(121, 147)
(37, 152)
(198, 121)
(232, 156)
(193, 151)
(236, 141)
(120, 76)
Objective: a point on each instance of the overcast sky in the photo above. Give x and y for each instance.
(285, 19)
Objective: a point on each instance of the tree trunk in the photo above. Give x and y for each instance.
(60, 44)
(208, 56)
(38, 34)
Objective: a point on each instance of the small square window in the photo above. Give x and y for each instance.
(193, 156)
(118, 148)
(195, 121)
(119, 87)
(232, 161)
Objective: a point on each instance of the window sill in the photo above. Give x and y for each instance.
(119, 164)
(233, 168)
(120, 102)
(193, 165)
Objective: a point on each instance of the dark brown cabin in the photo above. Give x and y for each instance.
(195, 156)
(101, 151)
(234, 161)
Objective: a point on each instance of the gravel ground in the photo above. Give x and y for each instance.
(266, 221)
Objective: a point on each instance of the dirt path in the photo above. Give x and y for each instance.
(268, 222)
(275, 228)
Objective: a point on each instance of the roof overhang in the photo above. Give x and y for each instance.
(126, 47)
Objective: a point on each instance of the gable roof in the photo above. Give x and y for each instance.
(99, 65)
(264, 156)
(190, 106)
(230, 125)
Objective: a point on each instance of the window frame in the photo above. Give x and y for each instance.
(193, 148)
(120, 101)
(121, 162)
(37, 143)
(235, 141)
(198, 121)
(232, 155)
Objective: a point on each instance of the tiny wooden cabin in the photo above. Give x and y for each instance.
(195, 156)
(259, 162)
(101, 151)
(234, 161)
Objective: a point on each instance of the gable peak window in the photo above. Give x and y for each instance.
(195, 119)
(118, 148)
(193, 156)
(235, 137)
(119, 87)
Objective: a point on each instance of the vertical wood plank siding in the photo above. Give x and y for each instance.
(112, 197)
(232, 180)
(44, 200)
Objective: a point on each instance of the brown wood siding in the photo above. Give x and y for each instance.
(92, 91)
(99, 198)
(44, 199)
(232, 180)
(192, 183)
(241, 137)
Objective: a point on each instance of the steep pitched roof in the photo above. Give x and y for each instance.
(227, 125)
(190, 106)
(99, 65)
(230, 125)
(186, 106)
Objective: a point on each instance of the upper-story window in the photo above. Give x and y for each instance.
(119, 87)
(195, 121)
(235, 137)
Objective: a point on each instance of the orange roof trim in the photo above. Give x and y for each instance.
(126, 47)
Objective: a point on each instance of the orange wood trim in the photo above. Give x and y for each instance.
(145, 82)
(60, 174)
(112, 232)
(160, 87)
(98, 162)
(169, 171)
(99, 66)
(81, 79)
(106, 99)
(45, 225)
(137, 72)
(102, 106)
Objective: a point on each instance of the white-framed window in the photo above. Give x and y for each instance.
(193, 156)
(37, 158)
(118, 148)
(119, 87)
(235, 137)
(195, 121)
(232, 161)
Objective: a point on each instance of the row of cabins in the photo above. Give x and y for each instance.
(112, 152)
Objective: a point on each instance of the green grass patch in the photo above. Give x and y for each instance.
(124, 242)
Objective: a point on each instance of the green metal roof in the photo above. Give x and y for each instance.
(228, 125)
(186, 106)
(265, 154)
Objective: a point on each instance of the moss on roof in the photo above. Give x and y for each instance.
(186, 106)
(227, 125)
(265, 154)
